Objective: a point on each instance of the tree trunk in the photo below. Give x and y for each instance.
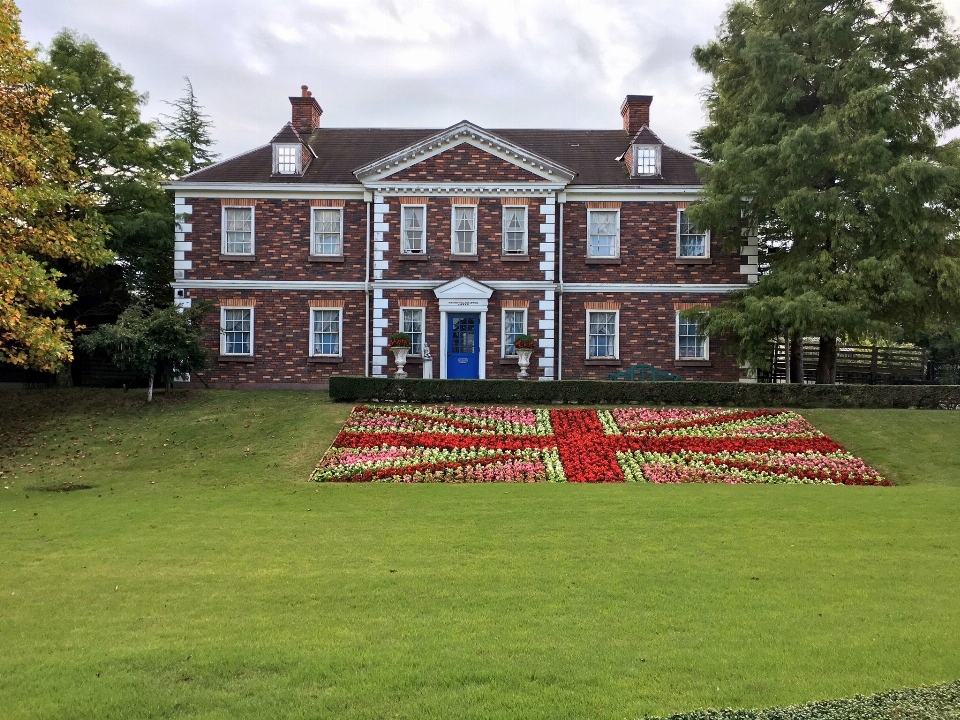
(65, 376)
(796, 358)
(827, 362)
(150, 389)
(169, 385)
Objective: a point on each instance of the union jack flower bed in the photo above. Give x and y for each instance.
(510, 444)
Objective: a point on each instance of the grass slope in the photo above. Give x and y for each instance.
(202, 577)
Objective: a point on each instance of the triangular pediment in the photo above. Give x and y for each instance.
(464, 153)
(463, 288)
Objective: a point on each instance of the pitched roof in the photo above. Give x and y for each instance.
(340, 151)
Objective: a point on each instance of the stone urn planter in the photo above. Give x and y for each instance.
(400, 345)
(525, 346)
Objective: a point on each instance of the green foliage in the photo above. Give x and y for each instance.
(46, 216)
(123, 162)
(826, 117)
(940, 702)
(600, 392)
(190, 127)
(155, 342)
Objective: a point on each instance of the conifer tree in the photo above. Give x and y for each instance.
(191, 127)
(823, 137)
(44, 215)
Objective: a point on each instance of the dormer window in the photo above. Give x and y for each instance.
(646, 160)
(286, 159)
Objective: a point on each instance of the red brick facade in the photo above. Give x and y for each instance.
(358, 295)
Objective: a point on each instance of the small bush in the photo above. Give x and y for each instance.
(601, 392)
(939, 702)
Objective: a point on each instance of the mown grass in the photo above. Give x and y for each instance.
(201, 576)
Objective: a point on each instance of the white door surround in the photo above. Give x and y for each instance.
(466, 296)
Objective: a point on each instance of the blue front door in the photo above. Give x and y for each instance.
(463, 347)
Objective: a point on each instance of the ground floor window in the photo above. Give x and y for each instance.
(602, 334)
(236, 331)
(326, 331)
(514, 323)
(411, 322)
(692, 343)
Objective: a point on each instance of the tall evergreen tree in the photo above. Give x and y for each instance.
(45, 216)
(123, 163)
(192, 128)
(824, 119)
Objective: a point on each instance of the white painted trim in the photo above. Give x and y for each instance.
(706, 342)
(403, 229)
(616, 338)
(310, 344)
(223, 336)
(494, 189)
(443, 344)
(313, 225)
(617, 241)
(284, 191)
(706, 242)
(503, 327)
(266, 285)
(645, 288)
(483, 345)
(464, 132)
(453, 228)
(635, 159)
(526, 229)
(223, 228)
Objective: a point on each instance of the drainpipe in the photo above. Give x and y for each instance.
(561, 196)
(366, 295)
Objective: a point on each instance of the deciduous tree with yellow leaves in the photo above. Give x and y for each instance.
(44, 216)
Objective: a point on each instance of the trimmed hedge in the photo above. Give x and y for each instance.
(939, 702)
(601, 392)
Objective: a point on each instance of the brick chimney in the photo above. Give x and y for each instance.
(636, 112)
(306, 111)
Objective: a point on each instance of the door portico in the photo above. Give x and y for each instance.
(463, 296)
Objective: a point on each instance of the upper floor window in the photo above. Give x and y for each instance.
(646, 160)
(602, 341)
(414, 225)
(236, 331)
(691, 242)
(692, 343)
(411, 322)
(465, 230)
(327, 232)
(515, 230)
(603, 228)
(514, 323)
(286, 159)
(237, 231)
(326, 331)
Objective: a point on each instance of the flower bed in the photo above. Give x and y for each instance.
(504, 444)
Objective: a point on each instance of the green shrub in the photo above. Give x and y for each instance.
(940, 702)
(602, 392)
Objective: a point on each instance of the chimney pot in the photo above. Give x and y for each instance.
(635, 112)
(303, 91)
(306, 111)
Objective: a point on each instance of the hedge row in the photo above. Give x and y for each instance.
(939, 702)
(599, 392)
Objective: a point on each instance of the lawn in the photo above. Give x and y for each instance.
(202, 576)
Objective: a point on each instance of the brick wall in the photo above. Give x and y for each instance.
(464, 163)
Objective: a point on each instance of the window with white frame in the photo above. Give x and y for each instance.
(465, 230)
(602, 342)
(326, 331)
(411, 322)
(237, 231)
(692, 343)
(414, 225)
(603, 230)
(514, 323)
(691, 242)
(515, 230)
(286, 159)
(647, 159)
(236, 331)
(327, 232)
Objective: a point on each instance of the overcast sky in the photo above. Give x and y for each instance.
(404, 63)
